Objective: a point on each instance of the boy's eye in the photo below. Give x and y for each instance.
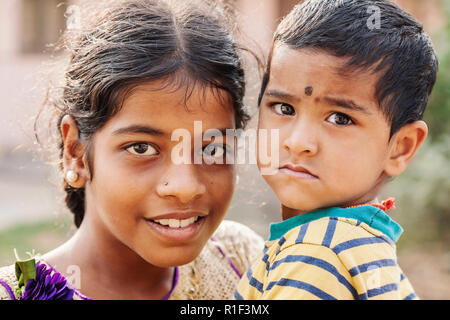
(142, 149)
(283, 109)
(340, 119)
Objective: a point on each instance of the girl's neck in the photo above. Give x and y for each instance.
(108, 269)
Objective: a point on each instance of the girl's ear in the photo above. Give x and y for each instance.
(404, 145)
(74, 153)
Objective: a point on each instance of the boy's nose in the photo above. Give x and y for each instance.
(302, 139)
(181, 181)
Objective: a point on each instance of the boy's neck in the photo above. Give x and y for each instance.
(287, 213)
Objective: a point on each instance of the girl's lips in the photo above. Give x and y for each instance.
(176, 234)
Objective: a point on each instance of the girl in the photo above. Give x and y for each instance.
(138, 71)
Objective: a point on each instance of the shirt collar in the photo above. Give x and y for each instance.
(371, 215)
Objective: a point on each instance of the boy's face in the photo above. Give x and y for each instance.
(334, 140)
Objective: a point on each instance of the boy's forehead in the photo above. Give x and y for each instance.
(308, 70)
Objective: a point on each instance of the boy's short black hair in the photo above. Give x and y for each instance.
(397, 46)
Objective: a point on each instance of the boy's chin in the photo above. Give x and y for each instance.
(294, 208)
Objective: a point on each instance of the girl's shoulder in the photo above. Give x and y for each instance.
(8, 282)
(215, 273)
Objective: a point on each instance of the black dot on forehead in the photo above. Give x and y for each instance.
(308, 90)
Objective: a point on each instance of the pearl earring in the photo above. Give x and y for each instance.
(71, 176)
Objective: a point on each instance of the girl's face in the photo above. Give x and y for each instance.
(163, 211)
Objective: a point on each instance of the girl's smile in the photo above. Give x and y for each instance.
(177, 229)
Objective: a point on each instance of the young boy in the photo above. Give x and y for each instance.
(347, 95)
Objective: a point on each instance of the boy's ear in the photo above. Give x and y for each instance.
(404, 145)
(74, 153)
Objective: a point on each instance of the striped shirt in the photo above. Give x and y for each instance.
(335, 253)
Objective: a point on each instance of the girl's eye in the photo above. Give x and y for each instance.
(142, 149)
(283, 109)
(340, 119)
(215, 151)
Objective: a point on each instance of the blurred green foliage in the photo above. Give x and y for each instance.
(437, 114)
(40, 237)
(423, 190)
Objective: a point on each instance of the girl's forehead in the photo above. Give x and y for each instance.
(171, 107)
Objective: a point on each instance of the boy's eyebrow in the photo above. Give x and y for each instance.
(136, 128)
(347, 104)
(344, 103)
(275, 93)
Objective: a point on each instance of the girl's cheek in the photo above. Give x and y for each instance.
(221, 178)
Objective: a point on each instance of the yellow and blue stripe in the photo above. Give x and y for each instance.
(336, 253)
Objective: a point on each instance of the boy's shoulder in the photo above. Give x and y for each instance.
(340, 235)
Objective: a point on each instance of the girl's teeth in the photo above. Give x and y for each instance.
(184, 223)
(175, 223)
(164, 222)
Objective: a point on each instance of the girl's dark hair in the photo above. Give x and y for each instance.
(397, 47)
(129, 42)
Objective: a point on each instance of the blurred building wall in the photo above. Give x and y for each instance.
(26, 26)
(259, 18)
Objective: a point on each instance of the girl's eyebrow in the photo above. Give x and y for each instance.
(136, 128)
(156, 132)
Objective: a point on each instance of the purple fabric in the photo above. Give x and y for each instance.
(8, 288)
(53, 287)
(229, 260)
(48, 285)
(174, 284)
(78, 293)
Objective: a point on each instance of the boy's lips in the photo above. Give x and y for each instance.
(297, 171)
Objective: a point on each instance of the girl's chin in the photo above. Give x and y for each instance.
(177, 257)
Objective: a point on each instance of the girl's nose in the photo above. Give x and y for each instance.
(181, 181)
(302, 139)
